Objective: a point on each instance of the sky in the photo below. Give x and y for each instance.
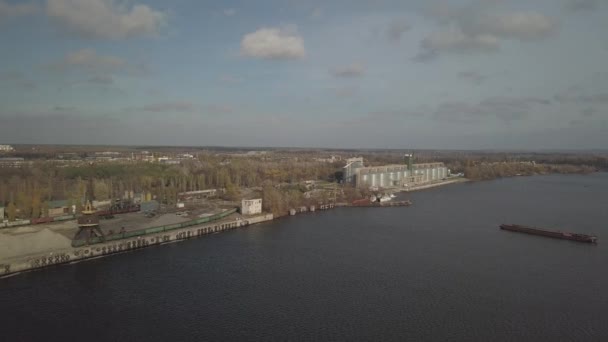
(484, 74)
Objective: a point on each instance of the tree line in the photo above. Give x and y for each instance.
(28, 190)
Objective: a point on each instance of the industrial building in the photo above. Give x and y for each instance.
(58, 208)
(398, 175)
(251, 207)
(350, 170)
(11, 162)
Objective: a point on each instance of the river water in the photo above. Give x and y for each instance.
(438, 270)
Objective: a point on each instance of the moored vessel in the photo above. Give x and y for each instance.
(385, 198)
(549, 233)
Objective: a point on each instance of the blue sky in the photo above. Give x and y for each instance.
(363, 74)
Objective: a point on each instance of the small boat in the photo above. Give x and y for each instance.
(385, 198)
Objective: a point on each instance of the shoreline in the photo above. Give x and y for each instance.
(76, 254)
(65, 256)
(432, 185)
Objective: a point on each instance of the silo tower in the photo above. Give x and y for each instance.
(409, 160)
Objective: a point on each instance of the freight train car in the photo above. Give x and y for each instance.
(153, 230)
(41, 220)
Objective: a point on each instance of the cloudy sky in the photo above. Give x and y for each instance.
(479, 74)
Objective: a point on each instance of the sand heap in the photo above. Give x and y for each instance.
(31, 243)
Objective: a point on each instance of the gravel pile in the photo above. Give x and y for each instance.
(31, 243)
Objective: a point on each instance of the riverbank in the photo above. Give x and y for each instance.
(68, 255)
(431, 185)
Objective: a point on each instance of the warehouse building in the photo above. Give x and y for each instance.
(251, 207)
(398, 175)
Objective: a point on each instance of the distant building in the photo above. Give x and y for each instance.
(58, 208)
(199, 194)
(6, 148)
(331, 159)
(251, 207)
(352, 164)
(167, 160)
(397, 175)
(1, 214)
(11, 162)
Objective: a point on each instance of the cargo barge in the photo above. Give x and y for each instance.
(549, 233)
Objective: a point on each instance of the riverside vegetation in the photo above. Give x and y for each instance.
(278, 177)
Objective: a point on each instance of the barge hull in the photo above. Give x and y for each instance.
(549, 233)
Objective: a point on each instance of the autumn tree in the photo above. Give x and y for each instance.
(11, 211)
(36, 207)
(101, 190)
(232, 192)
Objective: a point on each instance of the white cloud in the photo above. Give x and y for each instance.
(351, 70)
(88, 58)
(581, 5)
(177, 106)
(317, 13)
(396, 29)
(90, 61)
(11, 75)
(218, 109)
(16, 10)
(184, 107)
(105, 19)
(17, 80)
(273, 43)
(505, 109)
(64, 108)
(229, 12)
(472, 76)
(588, 111)
(455, 41)
(599, 98)
(515, 25)
(101, 79)
(346, 91)
(230, 79)
(480, 26)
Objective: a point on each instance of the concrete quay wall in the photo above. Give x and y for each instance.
(77, 254)
(432, 185)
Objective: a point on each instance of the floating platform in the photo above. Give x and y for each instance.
(549, 233)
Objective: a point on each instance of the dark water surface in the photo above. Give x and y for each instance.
(439, 270)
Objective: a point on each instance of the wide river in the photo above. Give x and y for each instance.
(439, 270)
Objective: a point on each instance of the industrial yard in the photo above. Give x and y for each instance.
(33, 239)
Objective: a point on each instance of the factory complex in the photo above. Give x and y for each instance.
(391, 176)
